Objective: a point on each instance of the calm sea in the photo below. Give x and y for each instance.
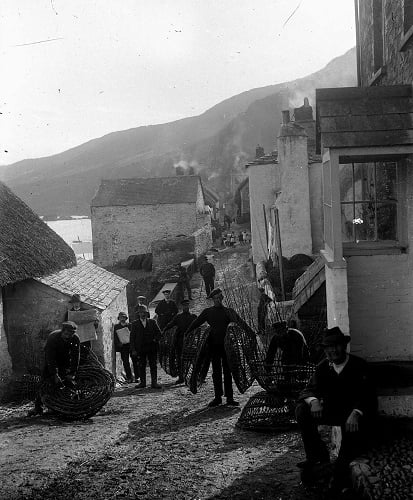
(77, 233)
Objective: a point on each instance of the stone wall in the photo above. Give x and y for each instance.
(33, 311)
(119, 232)
(171, 251)
(203, 240)
(398, 63)
(264, 182)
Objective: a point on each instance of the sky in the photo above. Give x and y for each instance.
(74, 70)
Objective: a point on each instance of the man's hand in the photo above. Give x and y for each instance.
(352, 423)
(316, 408)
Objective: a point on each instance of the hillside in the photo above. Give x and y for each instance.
(217, 142)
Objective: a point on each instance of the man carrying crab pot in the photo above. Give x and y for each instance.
(62, 355)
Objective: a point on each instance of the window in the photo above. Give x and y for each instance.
(369, 201)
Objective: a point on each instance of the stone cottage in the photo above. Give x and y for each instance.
(28, 249)
(129, 214)
(287, 181)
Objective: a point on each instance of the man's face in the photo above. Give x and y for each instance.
(336, 353)
(218, 299)
(123, 319)
(76, 306)
(185, 308)
(67, 334)
(143, 315)
(167, 295)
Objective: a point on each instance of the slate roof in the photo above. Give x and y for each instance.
(147, 191)
(364, 116)
(28, 246)
(95, 285)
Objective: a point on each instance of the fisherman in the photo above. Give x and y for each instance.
(166, 309)
(62, 355)
(219, 317)
(207, 271)
(144, 342)
(288, 346)
(182, 322)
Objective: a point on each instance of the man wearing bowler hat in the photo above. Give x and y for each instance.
(219, 317)
(339, 393)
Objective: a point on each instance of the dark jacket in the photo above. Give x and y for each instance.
(61, 357)
(207, 270)
(218, 318)
(344, 392)
(165, 311)
(182, 322)
(144, 339)
(118, 344)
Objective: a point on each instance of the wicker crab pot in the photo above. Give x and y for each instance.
(93, 388)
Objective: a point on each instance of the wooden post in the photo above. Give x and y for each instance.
(279, 251)
(266, 226)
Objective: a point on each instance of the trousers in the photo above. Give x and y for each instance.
(220, 367)
(126, 357)
(209, 284)
(150, 357)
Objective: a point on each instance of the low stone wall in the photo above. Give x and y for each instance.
(203, 240)
(172, 251)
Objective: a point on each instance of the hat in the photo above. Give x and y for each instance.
(141, 297)
(333, 336)
(184, 301)
(75, 298)
(166, 291)
(214, 292)
(122, 315)
(69, 325)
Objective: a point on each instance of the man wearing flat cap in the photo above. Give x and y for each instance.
(219, 317)
(339, 393)
(182, 322)
(62, 354)
(166, 309)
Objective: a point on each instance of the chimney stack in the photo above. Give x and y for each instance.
(259, 151)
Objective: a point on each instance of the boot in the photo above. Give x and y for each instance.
(142, 373)
(154, 378)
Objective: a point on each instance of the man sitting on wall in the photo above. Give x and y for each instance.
(62, 354)
(339, 393)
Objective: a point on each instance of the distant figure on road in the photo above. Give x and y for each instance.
(207, 271)
(166, 309)
(144, 341)
(62, 355)
(184, 283)
(219, 317)
(182, 322)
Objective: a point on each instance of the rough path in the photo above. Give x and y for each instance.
(150, 444)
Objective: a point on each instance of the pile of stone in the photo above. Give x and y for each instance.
(386, 472)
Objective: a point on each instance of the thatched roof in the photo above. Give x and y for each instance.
(147, 191)
(28, 247)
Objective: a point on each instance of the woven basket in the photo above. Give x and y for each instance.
(195, 358)
(94, 387)
(267, 412)
(167, 352)
(282, 379)
(240, 348)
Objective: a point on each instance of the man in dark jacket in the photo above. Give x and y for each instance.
(339, 393)
(207, 271)
(166, 309)
(62, 355)
(182, 322)
(144, 340)
(219, 317)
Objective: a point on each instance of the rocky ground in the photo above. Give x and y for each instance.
(151, 444)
